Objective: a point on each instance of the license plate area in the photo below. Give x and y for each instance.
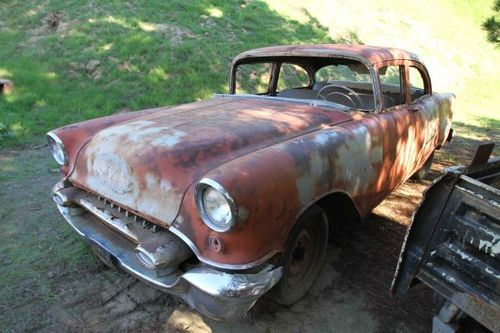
(107, 258)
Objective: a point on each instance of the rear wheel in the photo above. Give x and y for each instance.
(303, 257)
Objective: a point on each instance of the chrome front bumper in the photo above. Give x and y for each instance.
(216, 294)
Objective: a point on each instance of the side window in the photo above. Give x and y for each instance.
(391, 85)
(253, 78)
(417, 86)
(292, 76)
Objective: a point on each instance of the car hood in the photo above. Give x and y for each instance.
(147, 164)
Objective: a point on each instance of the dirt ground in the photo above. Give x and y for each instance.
(50, 281)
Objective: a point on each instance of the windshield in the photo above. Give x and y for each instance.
(340, 81)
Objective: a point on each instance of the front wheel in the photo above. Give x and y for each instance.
(303, 257)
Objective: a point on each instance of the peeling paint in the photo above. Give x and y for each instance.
(452, 224)
(171, 138)
(493, 202)
(464, 255)
(493, 248)
(448, 278)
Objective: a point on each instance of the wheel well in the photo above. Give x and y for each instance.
(339, 208)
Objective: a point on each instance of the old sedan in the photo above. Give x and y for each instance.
(222, 200)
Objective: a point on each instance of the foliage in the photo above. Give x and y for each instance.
(492, 25)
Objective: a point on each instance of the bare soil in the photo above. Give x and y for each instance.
(52, 283)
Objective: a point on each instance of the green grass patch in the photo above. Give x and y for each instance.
(159, 53)
(37, 246)
(76, 60)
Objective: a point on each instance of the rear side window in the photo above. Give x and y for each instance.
(417, 85)
(292, 76)
(392, 85)
(253, 78)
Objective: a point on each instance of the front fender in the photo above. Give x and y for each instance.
(273, 186)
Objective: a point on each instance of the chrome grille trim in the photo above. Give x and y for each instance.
(124, 221)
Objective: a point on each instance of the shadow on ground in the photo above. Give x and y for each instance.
(51, 281)
(466, 139)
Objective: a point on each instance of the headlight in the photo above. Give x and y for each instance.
(57, 149)
(216, 206)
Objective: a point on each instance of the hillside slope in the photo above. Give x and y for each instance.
(75, 60)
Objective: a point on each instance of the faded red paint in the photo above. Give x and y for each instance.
(367, 54)
(162, 153)
(275, 158)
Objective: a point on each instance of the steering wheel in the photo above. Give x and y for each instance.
(335, 88)
(342, 98)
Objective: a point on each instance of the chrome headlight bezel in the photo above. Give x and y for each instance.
(57, 149)
(201, 187)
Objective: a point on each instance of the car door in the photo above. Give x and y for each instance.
(403, 125)
(426, 105)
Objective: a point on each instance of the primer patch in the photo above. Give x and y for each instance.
(113, 171)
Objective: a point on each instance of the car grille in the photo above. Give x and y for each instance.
(125, 221)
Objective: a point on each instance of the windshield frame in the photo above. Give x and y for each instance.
(303, 61)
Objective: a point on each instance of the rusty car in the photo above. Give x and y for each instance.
(222, 200)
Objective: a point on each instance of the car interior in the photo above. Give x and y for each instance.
(352, 94)
(341, 81)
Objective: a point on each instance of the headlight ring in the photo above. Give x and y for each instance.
(57, 149)
(217, 208)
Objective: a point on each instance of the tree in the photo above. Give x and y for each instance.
(492, 25)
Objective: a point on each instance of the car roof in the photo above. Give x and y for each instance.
(369, 55)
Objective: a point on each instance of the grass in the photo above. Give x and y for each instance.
(447, 35)
(161, 53)
(37, 247)
(166, 53)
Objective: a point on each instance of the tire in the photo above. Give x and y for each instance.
(423, 172)
(303, 257)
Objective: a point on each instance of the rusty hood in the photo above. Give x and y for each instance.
(147, 164)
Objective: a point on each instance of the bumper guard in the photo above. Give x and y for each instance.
(216, 294)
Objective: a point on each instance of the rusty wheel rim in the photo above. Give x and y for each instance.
(302, 257)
